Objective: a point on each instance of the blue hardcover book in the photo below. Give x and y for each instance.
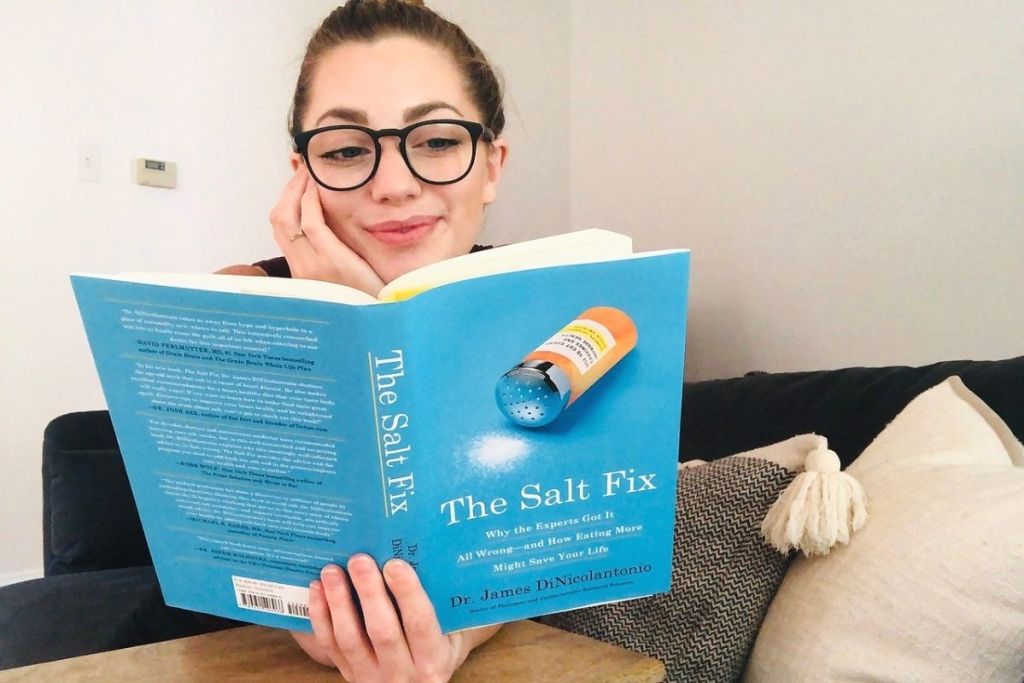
(513, 435)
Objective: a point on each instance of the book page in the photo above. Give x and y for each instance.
(294, 288)
(581, 246)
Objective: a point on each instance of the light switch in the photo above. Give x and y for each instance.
(155, 173)
(89, 163)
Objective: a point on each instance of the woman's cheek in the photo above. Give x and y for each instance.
(339, 220)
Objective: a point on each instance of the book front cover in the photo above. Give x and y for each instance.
(545, 478)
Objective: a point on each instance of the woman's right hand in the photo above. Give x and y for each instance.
(378, 626)
(311, 248)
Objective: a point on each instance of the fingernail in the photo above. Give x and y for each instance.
(396, 565)
(361, 562)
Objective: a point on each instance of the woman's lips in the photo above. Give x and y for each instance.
(402, 233)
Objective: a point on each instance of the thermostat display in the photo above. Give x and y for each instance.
(154, 173)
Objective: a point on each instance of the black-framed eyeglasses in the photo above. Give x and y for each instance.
(439, 152)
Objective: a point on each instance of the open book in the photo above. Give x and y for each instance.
(506, 421)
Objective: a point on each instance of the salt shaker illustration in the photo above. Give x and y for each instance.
(551, 377)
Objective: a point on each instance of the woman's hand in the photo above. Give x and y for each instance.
(372, 642)
(312, 250)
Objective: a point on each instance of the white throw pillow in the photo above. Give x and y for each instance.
(932, 588)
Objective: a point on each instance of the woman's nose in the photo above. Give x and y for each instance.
(394, 180)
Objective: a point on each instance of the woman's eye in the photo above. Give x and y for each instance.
(440, 144)
(344, 154)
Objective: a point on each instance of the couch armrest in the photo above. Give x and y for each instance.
(90, 520)
(849, 406)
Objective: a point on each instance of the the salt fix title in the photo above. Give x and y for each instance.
(535, 495)
(391, 425)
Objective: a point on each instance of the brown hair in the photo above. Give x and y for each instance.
(369, 20)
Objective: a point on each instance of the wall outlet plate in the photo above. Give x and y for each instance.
(154, 173)
(89, 163)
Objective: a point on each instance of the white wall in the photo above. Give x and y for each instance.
(848, 174)
(203, 84)
(207, 85)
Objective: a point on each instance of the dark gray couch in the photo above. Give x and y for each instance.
(99, 591)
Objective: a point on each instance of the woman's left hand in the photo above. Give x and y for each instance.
(380, 643)
(311, 248)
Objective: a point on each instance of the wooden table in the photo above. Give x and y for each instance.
(521, 651)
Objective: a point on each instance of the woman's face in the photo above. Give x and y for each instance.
(395, 222)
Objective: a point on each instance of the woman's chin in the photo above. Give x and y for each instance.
(391, 267)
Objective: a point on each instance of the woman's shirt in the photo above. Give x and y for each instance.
(278, 267)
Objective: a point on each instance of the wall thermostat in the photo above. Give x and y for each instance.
(155, 173)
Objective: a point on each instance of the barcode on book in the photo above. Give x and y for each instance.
(260, 602)
(268, 596)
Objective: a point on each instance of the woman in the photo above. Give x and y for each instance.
(397, 118)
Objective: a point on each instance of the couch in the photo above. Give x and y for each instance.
(98, 591)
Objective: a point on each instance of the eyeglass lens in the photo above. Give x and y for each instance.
(437, 152)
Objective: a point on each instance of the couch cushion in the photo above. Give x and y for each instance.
(932, 588)
(79, 614)
(90, 521)
(849, 406)
(723, 575)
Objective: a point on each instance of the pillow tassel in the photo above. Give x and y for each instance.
(822, 506)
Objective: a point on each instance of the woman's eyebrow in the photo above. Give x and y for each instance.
(345, 114)
(421, 110)
(357, 116)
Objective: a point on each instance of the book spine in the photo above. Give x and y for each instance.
(398, 449)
